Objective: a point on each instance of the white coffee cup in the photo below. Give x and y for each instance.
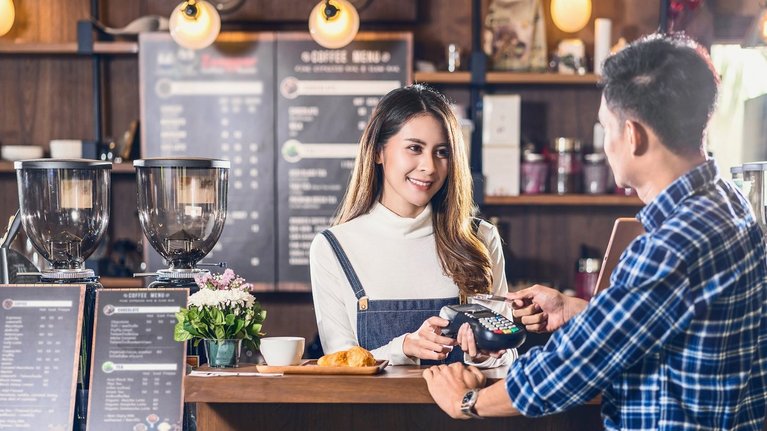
(282, 351)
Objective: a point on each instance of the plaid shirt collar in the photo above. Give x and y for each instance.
(656, 212)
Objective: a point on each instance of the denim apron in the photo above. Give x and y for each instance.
(380, 321)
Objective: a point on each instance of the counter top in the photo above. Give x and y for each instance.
(395, 385)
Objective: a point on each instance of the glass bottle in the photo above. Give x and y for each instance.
(535, 173)
(594, 174)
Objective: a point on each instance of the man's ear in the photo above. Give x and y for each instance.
(636, 136)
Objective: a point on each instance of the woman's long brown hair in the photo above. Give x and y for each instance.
(463, 256)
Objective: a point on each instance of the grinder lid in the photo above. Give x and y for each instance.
(181, 162)
(62, 164)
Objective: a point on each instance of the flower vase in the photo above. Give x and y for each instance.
(223, 353)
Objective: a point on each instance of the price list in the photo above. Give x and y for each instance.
(137, 370)
(39, 344)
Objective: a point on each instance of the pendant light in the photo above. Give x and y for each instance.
(570, 15)
(334, 23)
(194, 24)
(7, 15)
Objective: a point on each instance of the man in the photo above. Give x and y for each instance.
(679, 339)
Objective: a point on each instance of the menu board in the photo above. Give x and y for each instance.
(137, 368)
(217, 102)
(288, 114)
(324, 100)
(39, 345)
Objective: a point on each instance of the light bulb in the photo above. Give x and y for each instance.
(7, 15)
(194, 24)
(570, 15)
(334, 31)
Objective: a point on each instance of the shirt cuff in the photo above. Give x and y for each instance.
(396, 354)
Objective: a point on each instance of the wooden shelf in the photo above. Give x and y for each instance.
(67, 48)
(443, 77)
(121, 282)
(507, 78)
(564, 200)
(123, 168)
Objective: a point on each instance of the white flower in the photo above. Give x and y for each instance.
(236, 300)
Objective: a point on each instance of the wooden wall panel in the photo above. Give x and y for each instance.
(255, 12)
(48, 21)
(542, 244)
(121, 94)
(45, 98)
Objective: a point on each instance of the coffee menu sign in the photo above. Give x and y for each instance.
(39, 345)
(288, 114)
(137, 368)
(217, 103)
(324, 100)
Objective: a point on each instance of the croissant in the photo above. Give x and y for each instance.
(353, 357)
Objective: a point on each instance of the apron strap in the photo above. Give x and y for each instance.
(351, 275)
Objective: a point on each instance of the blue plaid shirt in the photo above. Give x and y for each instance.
(679, 339)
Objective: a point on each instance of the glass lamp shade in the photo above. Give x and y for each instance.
(198, 31)
(64, 207)
(7, 15)
(182, 206)
(570, 15)
(335, 31)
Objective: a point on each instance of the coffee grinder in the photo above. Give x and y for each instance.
(182, 210)
(64, 208)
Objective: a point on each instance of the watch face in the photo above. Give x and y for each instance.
(469, 397)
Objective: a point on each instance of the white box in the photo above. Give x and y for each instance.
(501, 119)
(500, 166)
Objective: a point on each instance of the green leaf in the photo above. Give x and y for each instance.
(230, 319)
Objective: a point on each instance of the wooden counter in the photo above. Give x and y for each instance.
(397, 399)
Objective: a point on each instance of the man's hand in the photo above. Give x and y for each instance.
(427, 343)
(543, 309)
(449, 383)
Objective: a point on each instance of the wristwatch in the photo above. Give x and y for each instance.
(467, 404)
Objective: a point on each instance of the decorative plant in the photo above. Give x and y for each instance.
(222, 309)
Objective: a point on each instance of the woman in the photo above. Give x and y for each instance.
(404, 243)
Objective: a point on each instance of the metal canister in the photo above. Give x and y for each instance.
(566, 166)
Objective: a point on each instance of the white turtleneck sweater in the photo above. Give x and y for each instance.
(395, 258)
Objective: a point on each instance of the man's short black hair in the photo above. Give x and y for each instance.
(668, 83)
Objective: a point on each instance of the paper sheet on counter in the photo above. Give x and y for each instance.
(232, 374)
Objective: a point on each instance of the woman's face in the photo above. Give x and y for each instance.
(415, 164)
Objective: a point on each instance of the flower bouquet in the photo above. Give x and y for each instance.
(223, 313)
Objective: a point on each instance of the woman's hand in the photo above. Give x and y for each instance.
(468, 344)
(427, 342)
(543, 309)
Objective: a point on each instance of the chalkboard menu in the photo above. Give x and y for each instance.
(218, 103)
(292, 153)
(137, 368)
(324, 100)
(39, 345)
